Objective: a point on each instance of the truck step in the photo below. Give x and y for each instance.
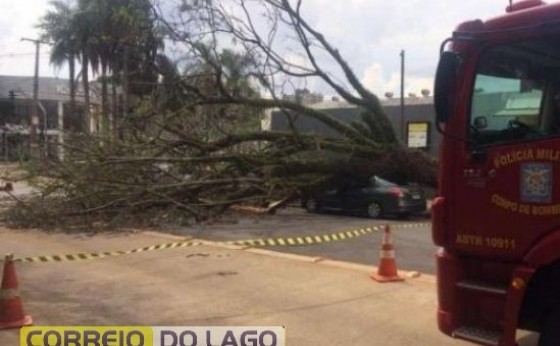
(483, 336)
(482, 286)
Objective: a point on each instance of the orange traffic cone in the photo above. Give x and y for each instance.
(387, 270)
(11, 307)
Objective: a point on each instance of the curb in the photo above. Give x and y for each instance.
(417, 276)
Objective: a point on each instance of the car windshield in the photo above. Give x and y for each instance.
(381, 182)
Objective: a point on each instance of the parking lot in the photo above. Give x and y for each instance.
(412, 236)
(216, 285)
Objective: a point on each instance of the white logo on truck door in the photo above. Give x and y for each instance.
(536, 182)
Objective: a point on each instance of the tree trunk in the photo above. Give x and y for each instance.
(115, 108)
(85, 80)
(104, 100)
(72, 85)
(126, 81)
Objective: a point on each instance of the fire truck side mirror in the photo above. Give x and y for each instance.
(445, 83)
(480, 123)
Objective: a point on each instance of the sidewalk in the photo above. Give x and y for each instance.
(320, 303)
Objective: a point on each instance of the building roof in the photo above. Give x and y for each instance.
(329, 104)
(50, 88)
(411, 101)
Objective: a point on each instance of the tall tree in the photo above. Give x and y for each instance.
(203, 173)
(85, 33)
(119, 30)
(58, 27)
(135, 41)
(94, 19)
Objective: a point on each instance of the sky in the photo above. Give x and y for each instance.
(370, 35)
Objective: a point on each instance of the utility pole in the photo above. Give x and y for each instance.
(402, 129)
(33, 140)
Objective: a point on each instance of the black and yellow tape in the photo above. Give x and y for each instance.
(412, 225)
(305, 240)
(263, 242)
(83, 256)
(318, 239)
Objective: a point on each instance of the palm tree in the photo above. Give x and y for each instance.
(71, 30)
(236, 69)
(134, 48)
(119, 27)
(84, 31)
(99, 33)
(58, 28)
(86, 19)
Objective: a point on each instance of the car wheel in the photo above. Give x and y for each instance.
(311, 206)
(374, 210)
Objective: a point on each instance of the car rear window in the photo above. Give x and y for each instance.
(382, 182)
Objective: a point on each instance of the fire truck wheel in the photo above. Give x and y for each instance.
(550, 335)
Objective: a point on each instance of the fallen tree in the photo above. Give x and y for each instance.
(195, 146)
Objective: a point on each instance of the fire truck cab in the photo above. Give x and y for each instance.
(496, 219)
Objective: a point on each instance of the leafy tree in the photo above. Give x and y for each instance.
(194, 145)
(112, 38)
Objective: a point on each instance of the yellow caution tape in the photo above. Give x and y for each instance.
(318, 239)
(264, 242)
(305, 240)
(82, 256)
(412, 225)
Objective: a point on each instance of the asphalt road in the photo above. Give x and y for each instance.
(212, 285)
(414, 248)
(319, 303)
(412, 237)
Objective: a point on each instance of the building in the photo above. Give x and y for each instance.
(55, 118)
(304, 96)
(417, 127)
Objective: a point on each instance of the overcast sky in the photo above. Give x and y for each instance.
(369, 33)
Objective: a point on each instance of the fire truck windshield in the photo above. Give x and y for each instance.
(516, 94)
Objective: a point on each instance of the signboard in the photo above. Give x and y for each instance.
(418, 135)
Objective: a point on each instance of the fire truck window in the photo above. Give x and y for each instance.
(507, 101)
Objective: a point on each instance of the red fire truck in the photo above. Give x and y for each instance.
(496, 220)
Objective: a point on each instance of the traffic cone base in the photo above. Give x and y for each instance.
(381, 278)
(11, 306)
(25, 321)
(387, 270)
